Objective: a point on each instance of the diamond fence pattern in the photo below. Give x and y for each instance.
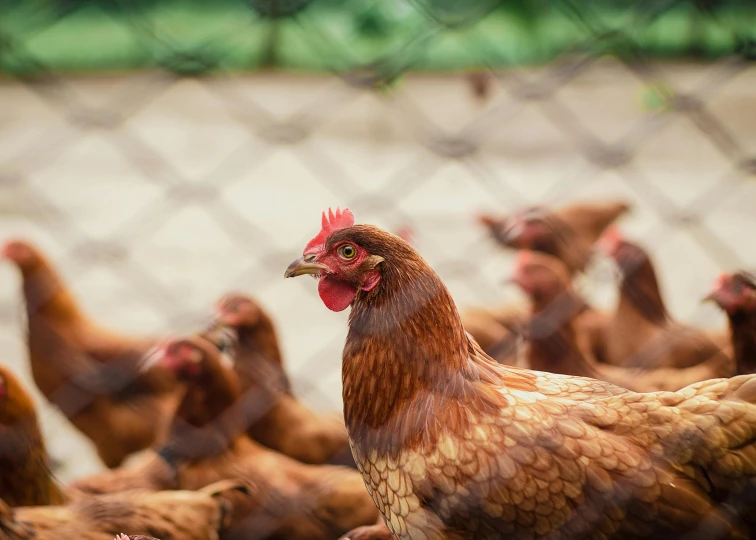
(158, 190)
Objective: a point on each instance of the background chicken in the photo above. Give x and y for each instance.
(26, 479)
(282, 422)
(451, 444)
(558, 343)
(736, 295)
(90, 373)
(179, 515)
(568, 233)
(288, 499)
(641, 332)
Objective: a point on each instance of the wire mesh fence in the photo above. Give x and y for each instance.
(158, 173)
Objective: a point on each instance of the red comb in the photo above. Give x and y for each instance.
(523, 258)
(330, 224)
(610, 240)
(720, 280)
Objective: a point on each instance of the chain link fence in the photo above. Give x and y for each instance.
(141, 153)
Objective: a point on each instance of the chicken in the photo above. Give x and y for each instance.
(641, 333)
(283, 423)
(558, 341)
(499, 332)
(138, 537)
(26, 479)
(736, 295)
(178, 515)
(451, 444)
(567, 233)
(90, 373)
(289, 499)
(553, 343)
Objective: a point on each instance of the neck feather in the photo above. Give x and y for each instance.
(405, 357)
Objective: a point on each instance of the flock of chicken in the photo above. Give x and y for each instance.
(557, 422)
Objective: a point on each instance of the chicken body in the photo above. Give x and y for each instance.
(452, 445)
(288, 499)
(26, 479)
(568, 233)
(178, 515)
(90, 373)
(641, 333)
(283, 423)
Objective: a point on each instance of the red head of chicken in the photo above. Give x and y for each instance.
(734, 292)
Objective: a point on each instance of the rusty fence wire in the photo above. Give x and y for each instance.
(202, 169)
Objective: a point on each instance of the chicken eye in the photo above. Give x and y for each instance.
(347, 252)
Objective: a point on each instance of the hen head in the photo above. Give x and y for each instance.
(187, 359)
(526, 229)
(626, 255)
(23, 254)
(542, 277)
(345, 258)
(237, 310)
(734, 292)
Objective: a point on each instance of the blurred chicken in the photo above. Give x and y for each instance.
(499, 332)
(557, 344)
(736, 295)
(25, 479)
(175, 515)
(451, 444)
(553, 343)
(138, 537)
(568, 233)
(641, 333)
(289, 499)
(284, 423)
(90, 373)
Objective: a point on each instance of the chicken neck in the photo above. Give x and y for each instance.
(553, 345)
(743, 331)
(406, 358)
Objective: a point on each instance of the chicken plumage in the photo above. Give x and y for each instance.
(451, 444)
(642, 333)
(736, 295)
(289, 499)
(26, 479)
(178, 515)
(284, 423)
(90, 373)
(557, 341)
(567, 233)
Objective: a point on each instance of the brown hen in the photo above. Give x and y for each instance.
(25, 479)
(568, 233)
(557, 342)
(284, 423)
(736, 295)
(90, 373)
(453, 445)
(289, 499)
(175, 515)
(641, 333)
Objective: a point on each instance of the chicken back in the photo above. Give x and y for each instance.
(451, 444)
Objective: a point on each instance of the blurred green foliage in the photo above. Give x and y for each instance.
(386, 36)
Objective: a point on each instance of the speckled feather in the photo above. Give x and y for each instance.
(452, 445)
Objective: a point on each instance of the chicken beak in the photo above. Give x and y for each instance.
(709, 297)
(305, 265)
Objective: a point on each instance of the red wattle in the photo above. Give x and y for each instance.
(336, 294)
